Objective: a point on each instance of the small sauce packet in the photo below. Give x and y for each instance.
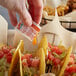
(29, 32)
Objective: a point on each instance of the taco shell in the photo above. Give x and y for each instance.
(42, 61)
(44, 44)
(14, 67)
(41, 56)
(66, 61)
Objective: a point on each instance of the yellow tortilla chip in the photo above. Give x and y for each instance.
(44, 44)
(21, 74)
(15, 59)
(66, 61)
(42, 61)
(21, 46)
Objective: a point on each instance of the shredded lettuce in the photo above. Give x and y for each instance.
(59, 56)
(56, 55)
(29, 71)
(49, 49)
(2, 61)
(26, 72)
(62, 55)
(33, 71)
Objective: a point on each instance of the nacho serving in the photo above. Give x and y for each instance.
(28, 64)
(47, 59)
(14, 69)
(58, 59)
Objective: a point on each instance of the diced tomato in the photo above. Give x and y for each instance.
(56, 50)
(35, 63)
(22, 58)
(71, 69)
(9, 58)
(71, 61)
(5, 50)
(50, 56)
(9, 54)
(1, 54)
(49, 45)
(67, 68)
(26, 56)
(29, 61)
(49, 52)
(56, 61)
(72, 55)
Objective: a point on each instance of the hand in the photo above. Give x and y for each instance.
(18, 6)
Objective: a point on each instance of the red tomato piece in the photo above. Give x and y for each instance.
(1, 54)
(72, 55)
(50, 56)
(71, 69)
(35, 63)
(9, 54)
(29, 61)
(56, 61)
(22, 58)
(56, 50)
(49, 45)
(5, 50)
(71, 61)
(9, 58)
(26, 56)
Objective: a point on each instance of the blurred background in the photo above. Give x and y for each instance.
(4, 13)
(66, 11)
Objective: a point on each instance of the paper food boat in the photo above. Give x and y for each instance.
(53, 31)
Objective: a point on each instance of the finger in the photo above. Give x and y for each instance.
(25, 16)
(35, 9)
(13, 18)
